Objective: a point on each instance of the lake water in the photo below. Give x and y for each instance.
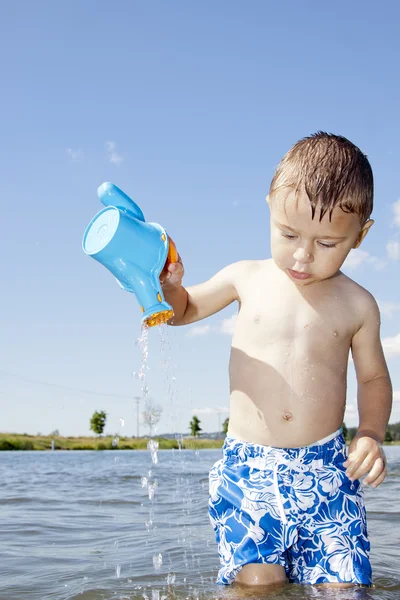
(80, 525)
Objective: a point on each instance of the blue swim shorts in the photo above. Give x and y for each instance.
(293, 507)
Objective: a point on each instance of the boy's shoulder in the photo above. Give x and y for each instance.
(357, 296)
(253, 265)
(249, 275)
(357, 291)
(245, 269)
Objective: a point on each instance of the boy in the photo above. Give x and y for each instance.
(285, 500)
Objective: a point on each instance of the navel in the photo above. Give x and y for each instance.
(287, 416)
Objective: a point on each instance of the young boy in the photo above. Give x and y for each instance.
(286, 501)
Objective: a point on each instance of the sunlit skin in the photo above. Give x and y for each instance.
(299, 316)
(306, 246)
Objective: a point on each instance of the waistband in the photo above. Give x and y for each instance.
(326, 439)
(324, 449)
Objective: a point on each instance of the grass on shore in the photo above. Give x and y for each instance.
(23, 441)
(17, 441)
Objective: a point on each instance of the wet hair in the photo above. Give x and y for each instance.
(332, 171)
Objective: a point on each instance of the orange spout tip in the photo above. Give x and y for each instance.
(159, 318)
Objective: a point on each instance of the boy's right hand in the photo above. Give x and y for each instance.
(172, 274)
(202, 300)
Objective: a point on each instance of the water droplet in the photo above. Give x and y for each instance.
(157, 561)
(151, 489)
(153, 447)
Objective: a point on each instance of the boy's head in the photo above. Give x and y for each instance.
(321, 198)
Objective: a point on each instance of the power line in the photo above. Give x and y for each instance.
(61, 387)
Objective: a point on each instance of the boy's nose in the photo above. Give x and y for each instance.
(301, 255)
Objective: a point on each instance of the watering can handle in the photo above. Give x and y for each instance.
(111, 195)
(173, 255)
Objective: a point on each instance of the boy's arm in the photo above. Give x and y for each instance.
(200, 301)
(374, 399)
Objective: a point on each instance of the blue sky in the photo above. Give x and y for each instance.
(188, 107)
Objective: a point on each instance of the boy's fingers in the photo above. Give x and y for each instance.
(164, 276)
(355, 456)
(172, 274)
(379, 479)
(363, 468)
(376, 472)
(175, 267)
(354, 462)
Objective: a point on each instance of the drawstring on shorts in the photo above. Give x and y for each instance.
(278, 494)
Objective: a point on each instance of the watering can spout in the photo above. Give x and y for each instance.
(134, 251)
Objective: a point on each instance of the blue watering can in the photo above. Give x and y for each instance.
(133, 250)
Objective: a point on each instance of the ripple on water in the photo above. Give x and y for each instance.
(68, 540)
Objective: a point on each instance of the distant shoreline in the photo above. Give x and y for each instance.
(20, 442)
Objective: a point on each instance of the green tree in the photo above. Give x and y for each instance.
(225, 426)
(351, 433)
(194, 426)
(345, 431)
(394, 429)
(388, 436)
(98, 421)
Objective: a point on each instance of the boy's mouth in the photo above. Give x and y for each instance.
(298, 275)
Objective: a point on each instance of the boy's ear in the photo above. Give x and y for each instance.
(267, 199)
(366, 227)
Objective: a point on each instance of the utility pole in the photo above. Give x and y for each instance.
(137, 398)
(219, 412)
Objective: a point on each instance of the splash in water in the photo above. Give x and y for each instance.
(151, 417)
(171, 389)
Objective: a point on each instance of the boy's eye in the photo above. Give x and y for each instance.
(325, 245)
(292, 236)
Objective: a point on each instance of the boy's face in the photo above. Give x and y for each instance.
(309, 250)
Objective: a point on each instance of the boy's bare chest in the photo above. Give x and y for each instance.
(277, 317)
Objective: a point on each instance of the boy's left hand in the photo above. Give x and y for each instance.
(366, 455)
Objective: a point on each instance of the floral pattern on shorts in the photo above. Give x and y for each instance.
(294, 507)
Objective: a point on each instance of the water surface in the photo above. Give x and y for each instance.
(79, 525)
